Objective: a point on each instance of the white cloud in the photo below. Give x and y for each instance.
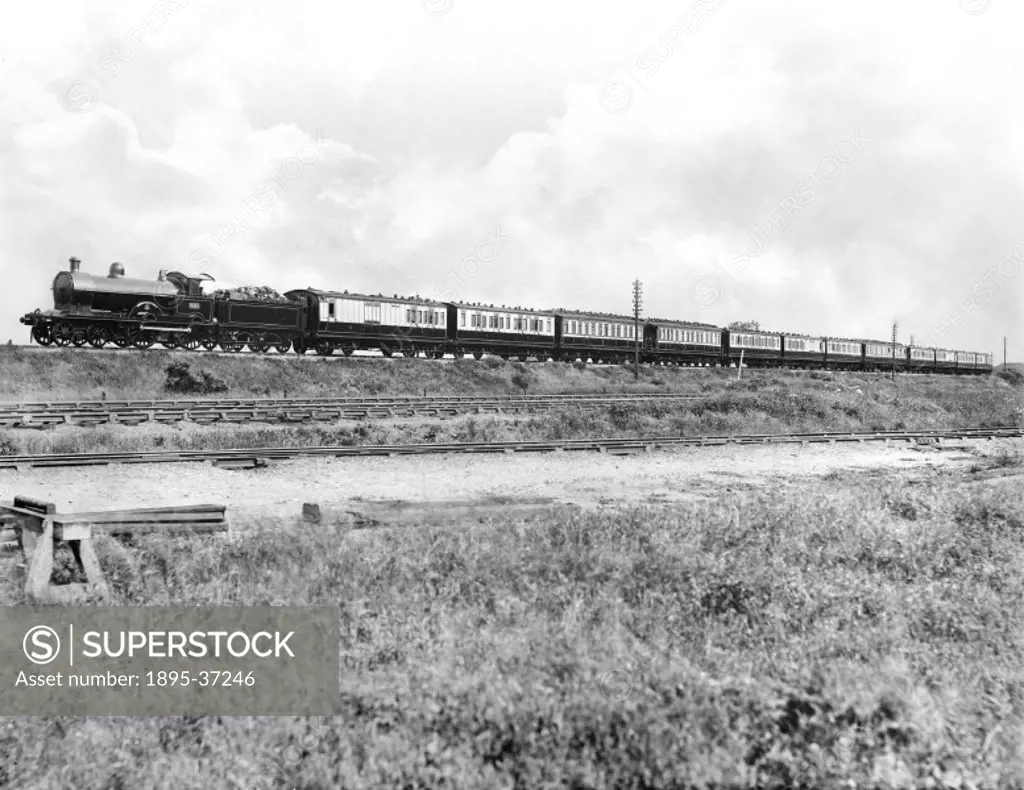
(490, 115)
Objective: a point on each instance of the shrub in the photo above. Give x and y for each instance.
(1012, 376)
(522, 381)
(180, 378)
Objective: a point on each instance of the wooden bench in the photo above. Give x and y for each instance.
(37, 525)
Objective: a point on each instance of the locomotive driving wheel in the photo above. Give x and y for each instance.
(41, 334)
(170, 343)
(120, 338)
(62, 333)
(190, 343)
(140, 338)
(97, 336)
(209, 343)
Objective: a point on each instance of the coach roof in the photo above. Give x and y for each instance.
(372, 297)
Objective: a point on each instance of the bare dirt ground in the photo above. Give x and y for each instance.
(586, 480)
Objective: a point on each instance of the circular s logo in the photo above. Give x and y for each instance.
(41, 644)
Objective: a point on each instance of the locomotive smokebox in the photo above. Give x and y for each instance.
(116, 270)
(75, 264)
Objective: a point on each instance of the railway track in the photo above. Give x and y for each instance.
(625, 446)
(87, 413)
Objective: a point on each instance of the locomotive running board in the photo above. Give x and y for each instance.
(157, 328)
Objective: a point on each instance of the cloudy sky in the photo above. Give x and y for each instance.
(818, 167)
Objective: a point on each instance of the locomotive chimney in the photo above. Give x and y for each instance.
(75, 263)
(116, 270)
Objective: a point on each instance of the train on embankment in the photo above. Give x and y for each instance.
(174, 311)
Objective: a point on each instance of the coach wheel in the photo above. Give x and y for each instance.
(523, 357)
(387, 351)
(347, 349)
(439, 353)
(478, 355)
(97, 336)
(62, 333)
(324, 348)
(41, 334)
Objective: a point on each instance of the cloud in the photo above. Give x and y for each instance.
(447, 127)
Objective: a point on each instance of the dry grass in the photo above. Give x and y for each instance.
(69, 374)
(867, 630)
(764, 403)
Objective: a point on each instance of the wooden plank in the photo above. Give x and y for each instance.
(212, 513)
(72, 532)
(162, 529)
(22, 516)
(414, 513)
(146, 510)
(139, 518)
(36, 505)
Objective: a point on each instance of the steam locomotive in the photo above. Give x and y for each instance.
(173, 310)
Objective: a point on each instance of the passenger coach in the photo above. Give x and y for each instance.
(920, 360)
(759, 349)
(842, 353)
(601, 337)
(878, 355)
(358, 321)
(682, 342)
(506, 331)
(803, 351)
(945, 361)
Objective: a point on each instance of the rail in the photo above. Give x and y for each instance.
(624, 445)
(235, 410)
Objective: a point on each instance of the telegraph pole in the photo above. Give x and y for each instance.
(1004, 351)
(894, 326)
(638, 303)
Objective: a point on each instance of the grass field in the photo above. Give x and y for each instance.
(868, 628)
(69, 374)
(760, 402)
